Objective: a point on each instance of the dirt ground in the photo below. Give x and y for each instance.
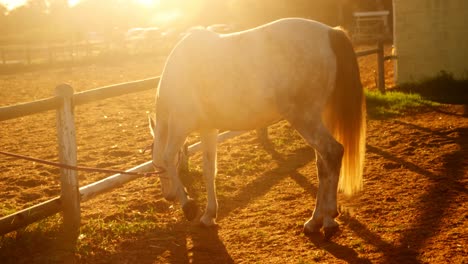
(412, 208)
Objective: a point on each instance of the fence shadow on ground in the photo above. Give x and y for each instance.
(433, 203)
(182, 242)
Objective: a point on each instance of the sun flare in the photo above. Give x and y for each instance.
(148, 3)
(12, 4)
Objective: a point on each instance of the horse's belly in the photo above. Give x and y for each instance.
(243, 116)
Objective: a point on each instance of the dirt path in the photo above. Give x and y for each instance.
(412, 209)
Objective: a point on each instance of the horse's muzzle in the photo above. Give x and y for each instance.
(168, 191)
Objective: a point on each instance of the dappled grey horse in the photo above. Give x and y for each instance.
(294, 69)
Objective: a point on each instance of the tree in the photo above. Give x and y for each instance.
(3, 21)
(59, 27)
(250, 13)
(30, 17)
(3, 10)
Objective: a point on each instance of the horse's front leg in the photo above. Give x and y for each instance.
(175, 140)
(208, 139)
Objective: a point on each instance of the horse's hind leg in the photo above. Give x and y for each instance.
(329, 154)
(208, 139)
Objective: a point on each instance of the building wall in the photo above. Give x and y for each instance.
(430, 36)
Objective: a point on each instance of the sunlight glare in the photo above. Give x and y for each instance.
(73, 2)
(148, 3)
(166, 16)
(12, 4)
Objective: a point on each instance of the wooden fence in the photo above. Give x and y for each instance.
(71, 194)
(381, 58)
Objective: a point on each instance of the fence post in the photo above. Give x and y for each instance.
(88, 48)
(49, 50)
(380, 66)
(262, 135)
(70, 194)
(3, 56)
(28, 54)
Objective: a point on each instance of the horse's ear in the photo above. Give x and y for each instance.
(151, 124)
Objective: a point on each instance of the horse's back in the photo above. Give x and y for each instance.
(250, 78)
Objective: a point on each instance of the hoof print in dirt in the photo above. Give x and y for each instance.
(190, 210)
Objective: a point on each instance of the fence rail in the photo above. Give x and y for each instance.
(20, 110)
(71, 195)
(381, 58)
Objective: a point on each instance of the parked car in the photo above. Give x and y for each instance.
(143, 39)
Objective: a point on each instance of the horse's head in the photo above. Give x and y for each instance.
(171, 185)
(168, 184)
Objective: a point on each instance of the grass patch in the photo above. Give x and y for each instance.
(443, 88)
(393, 104)
(42, 236)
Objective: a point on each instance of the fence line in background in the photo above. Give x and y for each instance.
(69, 52)
(381, 58)
(14, 54)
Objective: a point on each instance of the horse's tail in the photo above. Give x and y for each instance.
(345, 113)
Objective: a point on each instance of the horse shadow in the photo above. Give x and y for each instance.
(320, 241)
(189, 242)
(338, 251)
(288, 167)
(184, 242)
(179, 242)
(207, 246)
(445, 190)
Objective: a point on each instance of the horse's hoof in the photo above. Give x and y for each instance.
(206, 221)
(213, 225)
(311, 232)
(190, 209)
(328, 232)
(312, 229)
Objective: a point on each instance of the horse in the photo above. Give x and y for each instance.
(294, 69)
